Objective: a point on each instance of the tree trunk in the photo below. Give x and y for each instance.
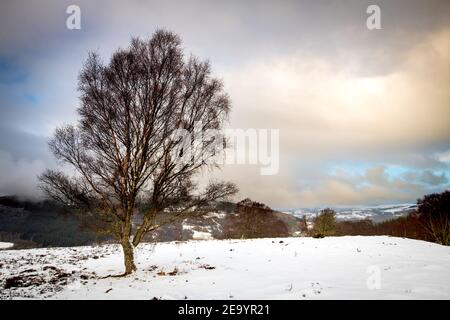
(128, 254)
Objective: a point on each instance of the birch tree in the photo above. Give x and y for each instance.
(122, 150)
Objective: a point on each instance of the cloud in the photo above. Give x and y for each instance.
(19, 177)
(327, 115)
(433, 179)
(315, 101)
(23, 156)
(343, 96)
(373, 185)
(21, 144)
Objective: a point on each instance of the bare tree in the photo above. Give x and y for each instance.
(434, 214)
(123, 149)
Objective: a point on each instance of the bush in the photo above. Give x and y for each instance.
(318, 235)
(325, 223)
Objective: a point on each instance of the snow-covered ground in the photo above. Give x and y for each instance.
(6, 245)
(290, 268)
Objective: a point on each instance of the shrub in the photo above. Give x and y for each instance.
(318, 235)
(325, 223)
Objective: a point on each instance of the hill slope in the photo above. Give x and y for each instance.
(378, 213)
(284, 268)
(45, 224)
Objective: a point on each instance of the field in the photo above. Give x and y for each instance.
(377, 267)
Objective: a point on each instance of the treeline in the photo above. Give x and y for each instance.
(405, 227)
(430, 222)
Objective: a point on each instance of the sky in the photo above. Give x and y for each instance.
(364, 115)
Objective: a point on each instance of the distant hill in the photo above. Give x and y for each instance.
(378, 213)
(31, 224)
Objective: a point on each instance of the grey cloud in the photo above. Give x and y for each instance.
(433, 179)
(20, 144)
(19, 177)
(23, 156)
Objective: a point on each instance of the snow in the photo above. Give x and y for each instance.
(218, 215)
(377, 213)
(200, 235)
(379, 267)
(6, 245)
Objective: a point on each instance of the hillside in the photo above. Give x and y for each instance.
(290, 268)
(31, 224)
(44, 224)
(378, 213)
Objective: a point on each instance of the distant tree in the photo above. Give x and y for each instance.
(434, 213)
(122, 150)
(254, 220)
(325, 223)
